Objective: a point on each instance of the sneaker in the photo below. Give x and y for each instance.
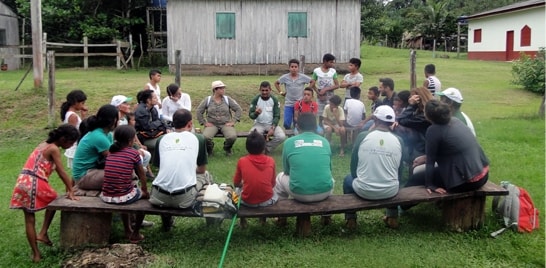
(350, 224)
(326, 220)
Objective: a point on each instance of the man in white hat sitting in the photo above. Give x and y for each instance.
(454, 99)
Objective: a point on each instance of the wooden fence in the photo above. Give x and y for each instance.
(118, 46)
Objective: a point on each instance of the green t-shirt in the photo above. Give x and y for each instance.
(89, 148)
(307, 159)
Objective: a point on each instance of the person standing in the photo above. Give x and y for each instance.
(219, 117)
(265, 110)
(153, 84)
(432, 83)
(294, 83)
(32, 191)
(353, 79)
(375, 164)
(182, 161)
(325, 82)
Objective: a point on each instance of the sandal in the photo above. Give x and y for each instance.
(45, 241)
(137, 239)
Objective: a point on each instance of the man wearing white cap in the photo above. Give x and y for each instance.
(219, 108)
(375, 164)
(122, 103)
(454, 99)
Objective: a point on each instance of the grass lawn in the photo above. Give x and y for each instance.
(503, 115)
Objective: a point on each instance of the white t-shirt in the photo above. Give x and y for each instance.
(157, 91)
(350, 78)
(168, 106)
(355, 111)
(266, 117)
(178, 153)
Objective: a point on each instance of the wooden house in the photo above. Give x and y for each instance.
(502, 33)
(9, 37)
(238, 32)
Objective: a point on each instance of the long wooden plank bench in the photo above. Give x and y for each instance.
(88, 221)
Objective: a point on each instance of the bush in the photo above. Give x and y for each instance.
(529, 72)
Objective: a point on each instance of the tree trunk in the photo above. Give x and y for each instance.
(541, 109)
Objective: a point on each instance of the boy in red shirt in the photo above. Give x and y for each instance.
(255, 173)
(306, 104)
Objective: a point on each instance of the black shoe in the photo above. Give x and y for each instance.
(229, 152)
(210, 148)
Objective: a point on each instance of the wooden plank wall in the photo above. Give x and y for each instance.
(261, 35)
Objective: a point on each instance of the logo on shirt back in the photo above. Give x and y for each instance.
(302, 143)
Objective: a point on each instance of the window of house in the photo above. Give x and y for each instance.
(3, 39)
(525, 36)
(225, 25)
(477, 35)
(297, 24)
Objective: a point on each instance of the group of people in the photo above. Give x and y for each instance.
(111, 150)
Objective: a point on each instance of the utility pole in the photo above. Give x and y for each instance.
(37, 57)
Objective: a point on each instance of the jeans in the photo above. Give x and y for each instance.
(288, 117)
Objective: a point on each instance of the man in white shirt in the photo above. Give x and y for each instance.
(266, 112)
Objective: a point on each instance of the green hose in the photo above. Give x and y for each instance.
(226, 245)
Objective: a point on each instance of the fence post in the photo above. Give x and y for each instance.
(302, 63)
(177, 63)
(118, 52)
(413, 76)
(85, 53)
(51, 89)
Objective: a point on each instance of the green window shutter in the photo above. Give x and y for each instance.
(297, 24)
(225, 25)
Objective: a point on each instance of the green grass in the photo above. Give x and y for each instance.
(505, 122)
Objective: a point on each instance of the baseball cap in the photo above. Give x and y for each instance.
(216, 84)
(452, 94)
(384, 113)
(119, 99)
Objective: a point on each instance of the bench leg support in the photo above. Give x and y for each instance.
(303, 225)
(464, 214)
(79, 228)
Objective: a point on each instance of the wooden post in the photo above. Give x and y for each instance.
(303, 225)
(131, 50)
(458, 38)
(51, 90)
(464, 214)
(302, 63)
(93, 228)
(85, 53)
(37, 56)
(177, 63)
(413, 76)
(118, 52)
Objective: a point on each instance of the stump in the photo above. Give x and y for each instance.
(465, 213)
(81, 228)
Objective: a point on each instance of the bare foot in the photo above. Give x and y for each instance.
(44, 240)
(36, 258)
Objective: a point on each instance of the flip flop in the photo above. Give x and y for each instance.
(137, 240)
(45, 242)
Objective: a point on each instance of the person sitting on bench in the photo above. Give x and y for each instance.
(182, 161)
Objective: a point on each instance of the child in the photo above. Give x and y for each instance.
(355, 109)
(334, 121)
(293, 82)
(118, 187)
(305, 105)
(325, 82)
(74, 104)
(255, 173)
(401, 102)
(373, 95)
(432, 83)
(174, 101)
(155, 78)
(32, 191)
(353, 79)
(145, 156)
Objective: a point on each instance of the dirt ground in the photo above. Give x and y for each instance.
(114, 256)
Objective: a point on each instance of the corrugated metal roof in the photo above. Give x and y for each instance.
(509, 8)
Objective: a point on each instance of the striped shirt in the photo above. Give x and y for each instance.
(118, 172)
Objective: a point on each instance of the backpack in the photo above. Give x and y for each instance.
(226, 99)
(216, 201)
(516, 209)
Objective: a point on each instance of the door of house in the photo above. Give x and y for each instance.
(509, 45)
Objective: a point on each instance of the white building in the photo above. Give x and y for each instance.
(502, 33)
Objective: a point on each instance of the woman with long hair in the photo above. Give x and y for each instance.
(74, 104)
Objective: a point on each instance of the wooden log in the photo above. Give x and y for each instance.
(81, 228)
(303, 225)
(464, 214)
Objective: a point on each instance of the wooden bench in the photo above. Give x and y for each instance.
(89, 220)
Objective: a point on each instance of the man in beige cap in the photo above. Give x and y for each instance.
(222, 112)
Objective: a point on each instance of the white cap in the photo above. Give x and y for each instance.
(119, 99)
(452, 94)
(216, 84)
(385, 113)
